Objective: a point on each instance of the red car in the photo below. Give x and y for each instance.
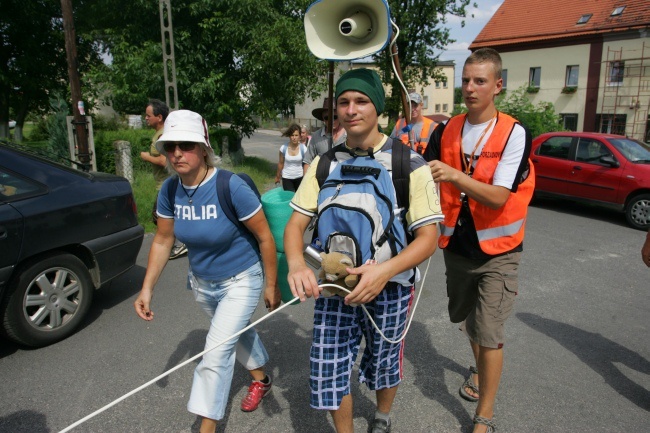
(603, 169)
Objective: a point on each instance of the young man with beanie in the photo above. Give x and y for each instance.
(418, 133)
(385, 288)
(480, 160)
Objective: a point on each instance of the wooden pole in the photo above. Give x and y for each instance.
(75, 87)
(398, 68)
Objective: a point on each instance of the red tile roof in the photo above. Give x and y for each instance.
(525, 21)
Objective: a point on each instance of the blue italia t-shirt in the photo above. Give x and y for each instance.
(216, 247)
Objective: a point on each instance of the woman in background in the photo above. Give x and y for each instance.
(290, 163)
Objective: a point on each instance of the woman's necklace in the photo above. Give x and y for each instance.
(197, 187)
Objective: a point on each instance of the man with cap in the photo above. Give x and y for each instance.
(320, 141)
(418, 132)
(338, 325)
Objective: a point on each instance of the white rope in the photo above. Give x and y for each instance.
(408, 325)
(182, 364)
(171, 370)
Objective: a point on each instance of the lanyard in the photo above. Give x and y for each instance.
(467, 166)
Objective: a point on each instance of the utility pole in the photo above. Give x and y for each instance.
(79, 121)
(169, 61)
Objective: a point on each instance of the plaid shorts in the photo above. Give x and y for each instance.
(338, 329)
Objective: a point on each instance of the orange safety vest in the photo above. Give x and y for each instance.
(499, 230)
(420, 146)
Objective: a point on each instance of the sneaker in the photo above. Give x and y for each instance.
(379, 426)
(256, 392)
(177, 251)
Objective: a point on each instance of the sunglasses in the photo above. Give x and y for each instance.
(184, 146)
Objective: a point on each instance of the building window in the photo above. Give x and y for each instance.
(535, 77)
(445, 108)
(570, 121)
(437, 108)
(444, 84)
(437, 84)
(583, 19)
(616, 73)
(617, 11)
(571, 79)
(611, 123)
(504, 78)
(425, 102)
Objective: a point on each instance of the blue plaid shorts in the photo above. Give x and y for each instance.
(338, 329)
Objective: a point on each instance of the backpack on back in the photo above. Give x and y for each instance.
(356, 205)
(225, 199)
(286, 148)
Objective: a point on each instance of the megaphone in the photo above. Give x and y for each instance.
(347, 30)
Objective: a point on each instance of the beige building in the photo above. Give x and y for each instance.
(438, 96)
(590, 58)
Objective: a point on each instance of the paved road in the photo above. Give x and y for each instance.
(577, 358)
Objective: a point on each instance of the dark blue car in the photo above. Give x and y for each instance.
(63, 234)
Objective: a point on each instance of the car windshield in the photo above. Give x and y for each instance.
(633, 150)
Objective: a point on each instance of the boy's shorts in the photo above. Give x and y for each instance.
(338, 329)
(482, 295)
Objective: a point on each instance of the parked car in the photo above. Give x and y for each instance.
(603, 169)
(63, 234)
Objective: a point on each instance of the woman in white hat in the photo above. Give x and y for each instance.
(229, 264)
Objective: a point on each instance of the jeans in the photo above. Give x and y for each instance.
(230, 303)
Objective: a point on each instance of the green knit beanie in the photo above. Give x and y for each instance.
(365, 81)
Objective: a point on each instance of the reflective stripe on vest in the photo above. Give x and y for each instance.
(498, 230)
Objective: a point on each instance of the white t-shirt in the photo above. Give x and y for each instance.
(292, 163)
(510, 160)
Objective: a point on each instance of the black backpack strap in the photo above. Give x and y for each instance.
(323, 167)
(401, 167)
(171, 191)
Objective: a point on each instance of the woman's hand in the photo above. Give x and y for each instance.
(142, 305)
(272, 297)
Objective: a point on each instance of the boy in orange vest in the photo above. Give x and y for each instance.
(420, 128)
(480, 160)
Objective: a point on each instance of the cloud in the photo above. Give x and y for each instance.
(458, 46)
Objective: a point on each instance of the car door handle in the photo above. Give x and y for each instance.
(577, 167)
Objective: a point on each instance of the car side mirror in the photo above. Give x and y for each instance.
(609, 160)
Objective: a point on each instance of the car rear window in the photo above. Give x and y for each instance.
(15, 187)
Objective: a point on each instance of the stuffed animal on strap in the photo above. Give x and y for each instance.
(333, 271)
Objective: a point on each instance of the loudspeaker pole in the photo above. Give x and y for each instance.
(330, 103)
(398, 69)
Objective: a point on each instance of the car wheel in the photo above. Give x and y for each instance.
(47, 300)
(637, 211)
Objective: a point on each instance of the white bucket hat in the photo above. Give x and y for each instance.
(185, 125)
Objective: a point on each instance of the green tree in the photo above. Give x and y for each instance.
(538, 118)
(422, 35)
(33, 62)
(234, 58)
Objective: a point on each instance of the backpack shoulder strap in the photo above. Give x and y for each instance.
(171, 191)
(223, 194)
(400, 165)
(324, 163)
(249, 181)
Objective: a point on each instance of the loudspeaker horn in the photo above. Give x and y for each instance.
(347, 30)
